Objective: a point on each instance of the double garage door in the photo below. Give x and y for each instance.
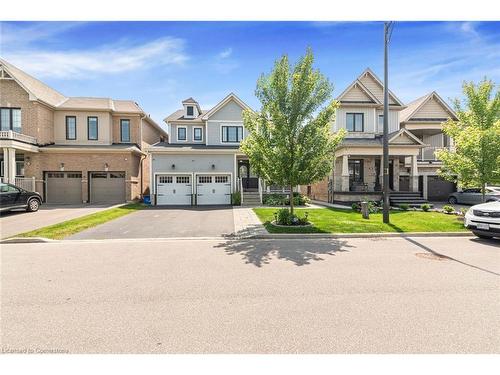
(178, 189)
(66, 187)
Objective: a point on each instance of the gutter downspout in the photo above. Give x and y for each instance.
(142, 158)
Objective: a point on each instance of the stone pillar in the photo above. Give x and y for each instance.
(395, 173)
(424, 188)
(9, 165)
(381, 173)
(414, 174)
(345, 173)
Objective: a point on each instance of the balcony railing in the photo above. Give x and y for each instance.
(15, 136)
(429, 153)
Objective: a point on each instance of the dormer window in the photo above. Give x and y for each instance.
(190, 110)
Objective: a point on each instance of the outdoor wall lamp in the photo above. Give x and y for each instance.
(27, 159)
(62, 167)
(173, 166)
(106, 167)
(213, 166)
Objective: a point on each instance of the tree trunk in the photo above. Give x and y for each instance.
(291, 199)
(483, 192)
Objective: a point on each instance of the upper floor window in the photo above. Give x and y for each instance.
(125, 130)
(181, 134)
(70, 127)
(197, 134)
(355, 122)
(232, 134)
(92, 128)
(190, 110)
(10, 119)
(380, 123)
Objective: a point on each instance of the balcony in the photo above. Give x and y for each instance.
(15, 136)
(428, 154)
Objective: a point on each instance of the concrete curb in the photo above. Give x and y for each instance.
(270, 236)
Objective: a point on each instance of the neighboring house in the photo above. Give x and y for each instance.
(201, 163)
(70, 149)
(415, 133)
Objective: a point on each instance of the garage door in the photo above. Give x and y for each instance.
(107, 187)
(213, 189)
(173, 190)
(439, 189)
(64, 187)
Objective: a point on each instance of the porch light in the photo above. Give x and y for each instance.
(213, 166)
(62, 167)
(27, 160)
(106, 167)
(173, 166)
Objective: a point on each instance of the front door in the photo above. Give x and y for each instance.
(249, 181)
(355, 173)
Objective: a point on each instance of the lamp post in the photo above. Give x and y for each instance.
(388, 26)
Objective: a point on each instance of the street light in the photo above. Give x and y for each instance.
(388, 27)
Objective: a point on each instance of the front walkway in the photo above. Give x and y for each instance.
(246, 222)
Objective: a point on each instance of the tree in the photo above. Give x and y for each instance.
(290, 141)
(476, 135)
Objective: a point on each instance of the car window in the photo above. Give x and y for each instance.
(8, 189)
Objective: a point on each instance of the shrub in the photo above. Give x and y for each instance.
(356, 206)
(425, 207)
(463, 211)
(236, 198)
(278, 199)
(404, 206)
(373, 206)
(284, 217)
(448, 209)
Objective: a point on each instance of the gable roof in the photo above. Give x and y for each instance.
(223, 102)
(368, 73)
(35, 88)
(419, 103)
(394, 136)
(357, 84)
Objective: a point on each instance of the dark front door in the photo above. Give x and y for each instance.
(355, 173)
(248, 182)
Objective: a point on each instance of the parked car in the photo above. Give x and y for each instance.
(473, 196)
(484, 219)
(12, 197)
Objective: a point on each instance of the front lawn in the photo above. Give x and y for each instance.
(67, 228)
(331, 220)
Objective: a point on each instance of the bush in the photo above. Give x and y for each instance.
(463, 211)
(373, 206)
(356, 206)
(404, 206)
(448, 209)
(236, 198)
(425, 207)
(278, 199)
(284, 217)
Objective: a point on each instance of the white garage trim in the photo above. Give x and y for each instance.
(229, 174)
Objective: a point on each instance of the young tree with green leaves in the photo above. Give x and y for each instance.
(290, 141)
(476, 135)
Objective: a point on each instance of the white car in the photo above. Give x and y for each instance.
(484, 220)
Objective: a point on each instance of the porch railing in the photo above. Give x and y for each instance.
(26, 183)
(9, 134)
(429, 153)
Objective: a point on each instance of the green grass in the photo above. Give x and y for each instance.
(331, 220)
(67, 228)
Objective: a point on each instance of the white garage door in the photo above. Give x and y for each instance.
(173, 189)
(213, 189)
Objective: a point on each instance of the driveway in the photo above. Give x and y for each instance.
(20, 221)
(385, 295)
(165, 222)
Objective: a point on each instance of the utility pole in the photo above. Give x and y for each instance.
(388, 26)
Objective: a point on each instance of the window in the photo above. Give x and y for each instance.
(55, 175)
(70, 127)
(232, 133)
(117, 175)
(355, 122)
(380, 123)
(190, 110)
(8, 189)
(10, 119)
(165, 179)
(181, 134)
(182, 179)
(73, 175)
(221, 179)
(197, 134)
(125, 130)
(204, 179)
(92, 128)
(99, 175)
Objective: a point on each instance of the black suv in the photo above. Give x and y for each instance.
(12, 197)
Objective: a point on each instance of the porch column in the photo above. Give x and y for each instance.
(395, 174)
(9, 164)
(345, 173)
(381, 172)
(424, 187)
(414, 174)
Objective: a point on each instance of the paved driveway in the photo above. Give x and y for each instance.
(162, 222)
(20, 221)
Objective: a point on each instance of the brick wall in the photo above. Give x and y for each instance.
(134, 128)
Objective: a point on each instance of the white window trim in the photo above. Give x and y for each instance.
(177, 134)
(202, 134)
(230, 123)
(194, 111)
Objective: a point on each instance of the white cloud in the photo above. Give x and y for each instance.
(116, 58)
(224, 63)
(226, 53)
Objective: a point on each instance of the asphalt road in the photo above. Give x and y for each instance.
(387, 295)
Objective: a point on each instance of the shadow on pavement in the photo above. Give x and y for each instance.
(259, 252)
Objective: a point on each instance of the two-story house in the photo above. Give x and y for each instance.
(201, 163)
(72, 150)
(415, 132)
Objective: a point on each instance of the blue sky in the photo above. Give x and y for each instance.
(159, 64)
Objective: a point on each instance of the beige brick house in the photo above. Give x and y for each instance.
(72, 149)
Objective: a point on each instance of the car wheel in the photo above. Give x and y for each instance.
(482, 235)
(33, 205)
(452, 200)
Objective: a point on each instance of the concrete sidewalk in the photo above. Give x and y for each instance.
(246, 223)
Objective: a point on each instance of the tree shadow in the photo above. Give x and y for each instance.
(259, 252)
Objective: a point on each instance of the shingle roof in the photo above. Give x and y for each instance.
(412, 106)
(189, 100)
(179, 115)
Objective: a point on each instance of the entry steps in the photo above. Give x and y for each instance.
(412, 199)
(250, 198)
